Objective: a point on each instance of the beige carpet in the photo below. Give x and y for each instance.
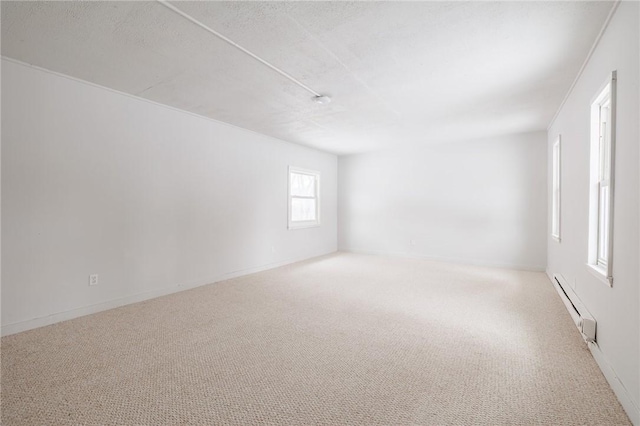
(344, 340)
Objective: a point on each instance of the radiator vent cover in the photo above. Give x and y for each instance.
(581, 317)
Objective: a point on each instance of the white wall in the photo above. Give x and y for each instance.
(481, 201)
(615, 309)
(148, 197)
(0, 199)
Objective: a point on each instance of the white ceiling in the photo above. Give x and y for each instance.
(398, 72)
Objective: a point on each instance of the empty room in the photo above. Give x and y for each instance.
(320, 213)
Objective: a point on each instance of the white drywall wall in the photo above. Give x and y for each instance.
(148, 197)
(0, 200)
(480, 201)
(615, 309)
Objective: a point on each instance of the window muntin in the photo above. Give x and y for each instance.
(304, 198)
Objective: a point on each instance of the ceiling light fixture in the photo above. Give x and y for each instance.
(319, 98)
(322, 99)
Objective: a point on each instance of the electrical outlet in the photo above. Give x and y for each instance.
(412, 242)
(273, 249)
(93, 279)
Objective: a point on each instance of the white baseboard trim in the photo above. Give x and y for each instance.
(17, 327)
(446, 259)
(632, 410)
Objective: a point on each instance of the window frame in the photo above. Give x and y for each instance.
(291, 224)
(556, 202)
(601, 184)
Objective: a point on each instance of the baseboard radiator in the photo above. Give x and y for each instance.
(581, 317)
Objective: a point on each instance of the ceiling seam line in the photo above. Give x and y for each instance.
(210, 30)
(343, 65)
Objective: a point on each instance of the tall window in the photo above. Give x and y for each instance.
(602, 179)
(555, 201)
(304, 198)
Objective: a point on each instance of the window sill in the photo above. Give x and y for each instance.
(293, 226)
(600, 274)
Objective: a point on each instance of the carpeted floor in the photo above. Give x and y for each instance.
(344, 340)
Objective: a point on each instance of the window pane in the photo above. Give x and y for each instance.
(556, 216)
(303, 209)
(606, 148)
(602, 150)
(303, 185)
(555, 202)
(603, 224)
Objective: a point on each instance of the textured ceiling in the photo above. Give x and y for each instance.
(398, 72)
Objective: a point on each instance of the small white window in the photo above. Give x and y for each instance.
(601, 181)
(555, 201)
(304, 198)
